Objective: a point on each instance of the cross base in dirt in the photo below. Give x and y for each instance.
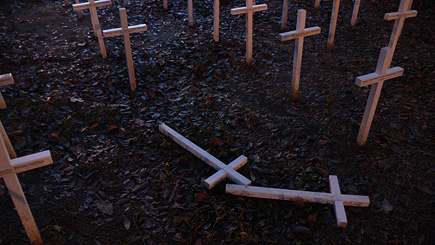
(5, 79)
(224, 171)
(126, 31)
(92, 6)
(249, 10)
(298, 35)
(335, 197)
(8, 171)
(376, 80)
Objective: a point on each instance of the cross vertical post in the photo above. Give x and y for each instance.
(249, 10)
(399, 17)
(5, 79)
(340, 213)
(355, 12)
(376, 80)
(126, 30)
(79, 12)
(190, 11)
(165, 4)
(317, 4)
(216, 20)
(333, 24)
(298, 35)
(284, 14)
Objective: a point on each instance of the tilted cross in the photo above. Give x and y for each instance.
(92, 6)
(249, 10)
(399, 17)
(375, 79)
(5, 79)
(298, 35)
(355, 12)
(126, 31)
(224, 171)
(335, 197)
(333, 24)
(9, 168)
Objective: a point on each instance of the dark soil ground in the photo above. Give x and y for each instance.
(117, 180)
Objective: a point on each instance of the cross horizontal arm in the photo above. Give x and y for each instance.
(398, 15)
(375, 77)
(6, 79)
(82, 6)
(22, 164)
(294, 195)
(230, 170)
(119, 31)
(244, 10)
(295, 34)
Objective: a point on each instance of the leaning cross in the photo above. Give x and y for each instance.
(298, 35)
(5, 79)
(333, 23)
(126, 31)
(400, 16)
(335, 197)
(92, 6)
(375, 79)
(355, 12)
(250, 9)
(9, 168)
(224, 170)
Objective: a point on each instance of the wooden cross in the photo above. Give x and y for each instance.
(126, 31)
(92, 6)
(79, 12)
(190, 11)
(335, 197)
(165, 4)
(355, 12)
(284, 14)
(224, 171)
(333, 23)
(8, 171)
(216, 20)
(249, 10)
(399, 17)
(5, 79)
(298, 35)
(375, 79)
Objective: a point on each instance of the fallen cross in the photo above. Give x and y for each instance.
(9, 168)
(298, 35)
(335, 197)
(375, 79)
(92, 6)
(5, 79)
(224, 171)
(126, 31)
(249, 10)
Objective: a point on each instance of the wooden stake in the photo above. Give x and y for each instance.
(126, 31)
(335, 197)
(190, 10)
(399, 17)
(355, 12)
(333, 24)
(216, 20)
(5, 79)
(92, 6)
(8, 171)
(284, 14)
(298, 35)
(224, 171)
(375, 79)
(249, 10)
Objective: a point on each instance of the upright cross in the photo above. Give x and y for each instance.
(335, 197)
(333, 24)
(298, 35)
(190, 11)
(399, 17)
(92, 6)
(216, 20)
(250, 9)
(375, 79)
(8, 171)
(126, 31)
(5, 79)
(224, 171)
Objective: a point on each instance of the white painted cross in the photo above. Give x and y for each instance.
(92, 6)
(335, 197)
(298, 35)
(333, 24)
(375, 79)
(8, 171)
(126, 31)
(224, 171)
(249, 10)
(5, 79)
(399, 17)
